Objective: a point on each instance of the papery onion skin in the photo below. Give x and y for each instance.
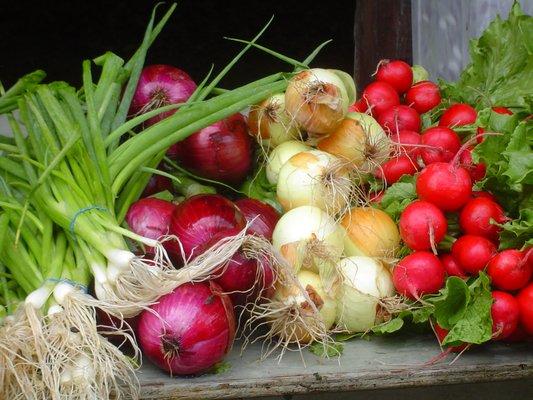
(268, 120)
(317, 100)
(221, 151)
(370, 232)
(280, 155)
(314, 178)
(192, 329)
(198, 218)
(365, 282)
(261, 217)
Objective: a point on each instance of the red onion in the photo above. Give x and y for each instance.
(156, 184)
(190, 330)
(160, 85)
(222, 151)
(261, 217)
(150, 217)
(197, 219)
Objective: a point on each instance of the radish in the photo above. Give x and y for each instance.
(484, 194)
(480, 216)
(510, 270)
(505, 312)
(441, 334)
(395, 168)
(440, 144)
(417, 274)
(359, 106)
(480, 134)
(458, 115)
(398, 118)
(396, 73)
(447, 186)
(422, 225)
(380, 96)
(525, 303)
(423, 96)
(407, 142)
(477, 171)
(451, 266)
(473, 252)
(502, 110)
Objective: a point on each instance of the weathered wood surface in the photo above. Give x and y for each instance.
(384, 363)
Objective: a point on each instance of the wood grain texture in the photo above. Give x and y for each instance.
(384, 363)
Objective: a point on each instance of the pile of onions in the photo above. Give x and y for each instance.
(306, 233)
(158, 86)
(280, 155)
(188, 330)
(370, 232)
(360, 140)
(270, 122)
(314, 178)
(318, 99)
(222, 151)
(365, 282)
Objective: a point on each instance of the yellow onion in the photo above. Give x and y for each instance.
(280, 155)
(314, 178)
(268, 120)
(309, 325)
(365, 281)
(360, 140)
(318, 99)
(308, 232)
(370, 232)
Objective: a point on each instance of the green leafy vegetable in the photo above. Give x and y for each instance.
(327, 350)
(398, 196)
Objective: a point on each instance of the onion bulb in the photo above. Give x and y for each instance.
(370, 232)
(296, 320)
(365, 281)
(280, 155)
(314, 178)
(318, 99)
(268, 120)
(307, 232)
(360, 140)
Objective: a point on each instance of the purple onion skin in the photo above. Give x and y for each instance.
(193, 330)
(261, 217)
(161, 85)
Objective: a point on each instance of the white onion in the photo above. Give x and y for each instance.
(280, 155)
(365, 282)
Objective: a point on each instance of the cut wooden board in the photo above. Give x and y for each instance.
(384, 363)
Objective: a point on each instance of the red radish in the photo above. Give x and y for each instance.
(392, 170)
(189, 330)
(380, 96)
(441, 335)
(458, 115)
(477, 171)
(198, 218)
(399, 118)
(519, 335)
(502, 110)
(447, 186)
(150, 217)
(480, 134)
(407, 142)
(376, 197)
(505, 312)
(417, 274)
(473, 252)
(423, 96)
(439, 144)
(484, 194)
(261, 217)
(479, 216)
(451, 266)
(156, 184)
(359, 106)
(158, 86)
(396, 73)
(222, 151)
(422, 225)
(525, 303)
(510, 270)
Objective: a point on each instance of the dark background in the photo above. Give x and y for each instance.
(57, 35)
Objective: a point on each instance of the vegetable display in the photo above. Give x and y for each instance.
(290, 211)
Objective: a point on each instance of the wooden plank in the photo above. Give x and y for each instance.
(384, 363)
(382, 30)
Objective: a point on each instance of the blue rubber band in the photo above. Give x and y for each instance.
(70, 282)
(82, 211)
